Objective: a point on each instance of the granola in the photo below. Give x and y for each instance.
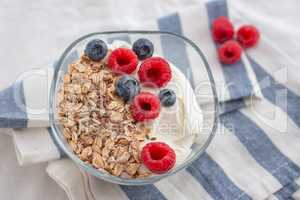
(96, 122)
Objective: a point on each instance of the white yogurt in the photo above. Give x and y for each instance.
(179, 124)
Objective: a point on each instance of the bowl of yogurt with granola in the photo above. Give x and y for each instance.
(125, 113)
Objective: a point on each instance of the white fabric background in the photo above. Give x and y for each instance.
(34, 33)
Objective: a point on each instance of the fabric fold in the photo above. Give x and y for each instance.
(34, 145)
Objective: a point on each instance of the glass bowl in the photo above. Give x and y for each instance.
(177, 49)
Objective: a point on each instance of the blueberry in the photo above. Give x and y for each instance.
(127, 87)
(143, 48)
(167, 97)
(96, 50)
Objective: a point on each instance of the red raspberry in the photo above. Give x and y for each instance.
(122, 60)
(145, 106)
(248, 36)
(155, 72)
(230, 52)
(222, 29)
(158, 157)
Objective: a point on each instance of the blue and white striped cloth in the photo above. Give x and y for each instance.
(255, 154)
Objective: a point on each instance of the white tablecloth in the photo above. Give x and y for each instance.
(34, 33)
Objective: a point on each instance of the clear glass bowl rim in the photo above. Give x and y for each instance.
(108, 177)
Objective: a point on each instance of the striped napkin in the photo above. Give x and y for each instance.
(254, 154)
(234, 83)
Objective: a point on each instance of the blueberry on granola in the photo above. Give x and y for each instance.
(127, 87)
(167, 97)
(96, 50)
(143, 48)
